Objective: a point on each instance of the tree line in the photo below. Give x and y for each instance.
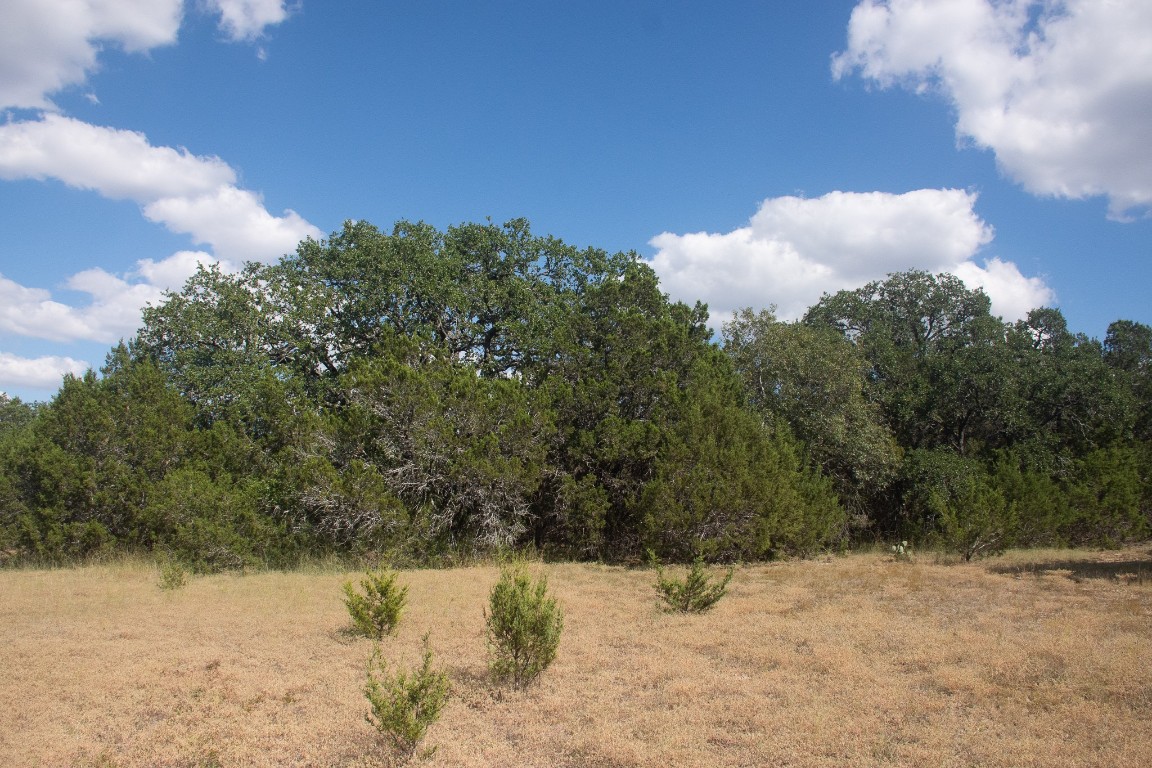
(428, 394)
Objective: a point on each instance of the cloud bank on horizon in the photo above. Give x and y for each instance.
(1059, 91)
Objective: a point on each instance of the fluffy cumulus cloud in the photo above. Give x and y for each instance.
(189, 194)
(234, 222)
(32, 312)
(47, 45)
(111, 310)
(246, 19)
(186, 193)
(116, 163)
(39, 373)
(1060, 90)
(794, 249)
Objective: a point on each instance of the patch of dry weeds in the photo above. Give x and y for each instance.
(1028, 660)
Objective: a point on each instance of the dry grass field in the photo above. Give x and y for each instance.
(1033, 659)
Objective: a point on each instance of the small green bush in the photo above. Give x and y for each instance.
(524, 626)
(376, 612)
(406, 704)
(172, 573)
(697, 593)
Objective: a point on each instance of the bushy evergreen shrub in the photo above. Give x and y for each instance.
(957, 503)
(696, 593)
(376, 610)
(172, 573)
(524, 625)
(1104, 493)
(405, 704)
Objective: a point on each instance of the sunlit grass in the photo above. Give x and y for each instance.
(1035, 658)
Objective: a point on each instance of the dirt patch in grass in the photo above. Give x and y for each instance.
(1035, 659)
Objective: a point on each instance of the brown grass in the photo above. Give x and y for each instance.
(1040, 659)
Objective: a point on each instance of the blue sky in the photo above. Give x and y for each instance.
(756, 153)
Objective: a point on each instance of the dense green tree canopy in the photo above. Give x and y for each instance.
(813, 378)
(423, 394)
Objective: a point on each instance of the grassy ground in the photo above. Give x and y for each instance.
(1034, 659)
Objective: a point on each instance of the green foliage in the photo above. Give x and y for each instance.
(813, 378)
(376, 609)
(172, 575)
(350, 506)
(1128, 353)
(405, 703)
(1038, 499)
(1105, 495)
(932, 362)
(974, 519)
(1068, 398)
(524, 625)
(15, 414)
(954, 501)
(212, 524)
(439, 394)
(696, 592)
(729, 485)
(468, 450)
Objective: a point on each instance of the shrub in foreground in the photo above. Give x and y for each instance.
(376, 610)
(524, 626)
(172, 573)
(405, 704)
(696, 593)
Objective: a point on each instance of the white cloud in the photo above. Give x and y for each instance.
(1012, 294)
(50, 45)
(172, 272)
(47, 45)
(1060, 90)
(41, 373)
(32, 312)
(795, 249)
(234, 222)
(187, 193)
(116, 163)
(112, 311)
(246, 19)
(859, 233)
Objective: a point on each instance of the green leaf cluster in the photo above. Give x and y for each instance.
(1007, 434)
(475, 390)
